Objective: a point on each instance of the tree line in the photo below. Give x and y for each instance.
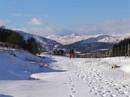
(122, 48)
(12, 37)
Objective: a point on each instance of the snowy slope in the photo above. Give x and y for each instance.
(88, 77)
(94, 43)
(108, 38)
(17, 64)
(47, 44)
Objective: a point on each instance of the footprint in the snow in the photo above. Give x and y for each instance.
(96, 93)
(104, 95)
(71, 96)
(78, 75)
(109, 84)
(92, 90)
(89, 84)
(73, 85)
(115, 84)
(108, 91)
(112, 95)
(83, 77)
(125, 86)
(73, 88)
(125, 92)
(73, 91)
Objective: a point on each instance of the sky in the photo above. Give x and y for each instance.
(48, 16)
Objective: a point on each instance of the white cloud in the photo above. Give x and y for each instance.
(40, 27)
(37, 21)
(3, 22)
(42, 31)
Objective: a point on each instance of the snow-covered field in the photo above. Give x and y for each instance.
(67, 78)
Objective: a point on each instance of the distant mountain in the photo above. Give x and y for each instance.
(68, 38)
(74, 41)
(74, 37)
(94, 43)
(103, 38)
(47, 44)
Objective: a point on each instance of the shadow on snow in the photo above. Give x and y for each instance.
(50, 60)
(1, 95)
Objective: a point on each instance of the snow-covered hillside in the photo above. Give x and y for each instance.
(47, 44)
(90, 77)
(107, 38)
(16, 64)
(92, 44)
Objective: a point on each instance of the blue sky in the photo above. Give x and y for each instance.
(61, 13)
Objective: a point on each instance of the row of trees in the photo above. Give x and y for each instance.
(122, 48)
(12, 37)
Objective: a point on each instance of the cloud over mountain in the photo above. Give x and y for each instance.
(40, 26)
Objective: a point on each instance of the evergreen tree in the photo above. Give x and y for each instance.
(32, 46)
(11, 37)
(122, 48)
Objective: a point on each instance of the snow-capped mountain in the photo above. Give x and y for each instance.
(72, 38)
(68, 38)
(46, 43)
(94, 43)
(103, 38)
(75, 41)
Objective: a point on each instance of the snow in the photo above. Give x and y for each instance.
(78, 77)
(123, 62)
(17, 64)
(126, 69)
(72, 38)
(68, 39)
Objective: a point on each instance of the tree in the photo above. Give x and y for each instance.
(32, 46)
(122, 48)
(15, 38)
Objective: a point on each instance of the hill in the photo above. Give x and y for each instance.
(46, 43)
(94, 43)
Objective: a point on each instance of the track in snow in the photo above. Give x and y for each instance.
(97, 83)
(82, 78)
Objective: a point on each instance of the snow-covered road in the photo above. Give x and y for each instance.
(77, 78)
